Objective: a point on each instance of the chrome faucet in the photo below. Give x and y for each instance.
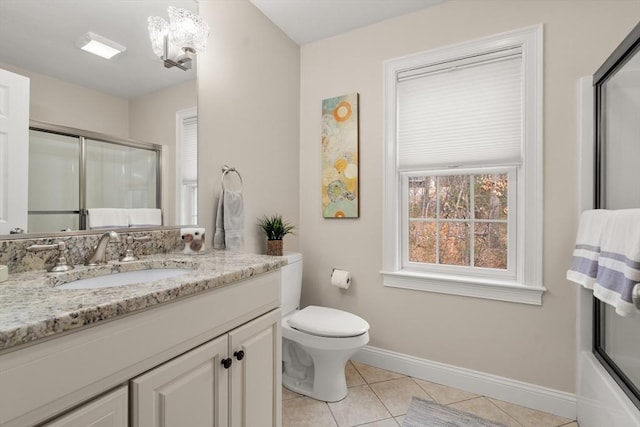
(99, 255)
(61, 262)
(128, 254)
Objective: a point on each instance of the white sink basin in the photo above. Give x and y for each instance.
(125, 278)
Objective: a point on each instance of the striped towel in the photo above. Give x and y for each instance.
(606, 257)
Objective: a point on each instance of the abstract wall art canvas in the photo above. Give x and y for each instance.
(340, 157)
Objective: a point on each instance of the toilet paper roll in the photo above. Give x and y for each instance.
(341, 278)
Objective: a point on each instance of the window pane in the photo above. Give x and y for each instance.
(490, 245)
(454, 243)
(454, 196)
(491, 196)
(422, 241)
(422, 201)
(442, 228)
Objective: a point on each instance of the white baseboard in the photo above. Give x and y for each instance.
(520, 393)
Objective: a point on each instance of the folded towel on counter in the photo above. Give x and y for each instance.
(144, 217)
(229, 232)
(99, 218)
(606, 257)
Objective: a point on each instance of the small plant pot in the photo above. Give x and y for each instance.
(274, 247)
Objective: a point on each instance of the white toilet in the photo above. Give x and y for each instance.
(317, 342)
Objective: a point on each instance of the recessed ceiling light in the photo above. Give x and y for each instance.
(101, 46)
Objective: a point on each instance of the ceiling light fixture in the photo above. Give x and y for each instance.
(178, 41)
(101, 46)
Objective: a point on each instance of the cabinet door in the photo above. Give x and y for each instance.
(256, 392)
(190, 390)
(109, 410)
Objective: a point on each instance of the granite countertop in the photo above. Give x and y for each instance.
(32, 308)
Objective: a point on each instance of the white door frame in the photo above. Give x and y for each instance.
(14, 151)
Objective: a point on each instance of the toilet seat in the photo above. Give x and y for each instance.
(328, 322)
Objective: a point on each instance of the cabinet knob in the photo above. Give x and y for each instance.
(239, 354)
(227, 363)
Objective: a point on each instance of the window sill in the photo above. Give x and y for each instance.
(465, 286)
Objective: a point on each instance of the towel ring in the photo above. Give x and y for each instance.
(225, 170)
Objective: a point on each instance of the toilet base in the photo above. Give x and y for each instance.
(327, 385)
(318, 372)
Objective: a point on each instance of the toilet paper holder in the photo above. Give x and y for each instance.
(343, 279)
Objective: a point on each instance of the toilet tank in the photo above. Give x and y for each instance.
(291, 286)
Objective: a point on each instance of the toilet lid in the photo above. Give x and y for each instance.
(328, 322)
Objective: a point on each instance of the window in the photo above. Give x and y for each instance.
(462, 189)
(187, 166)
(458, 219)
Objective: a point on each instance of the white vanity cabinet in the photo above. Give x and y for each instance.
(233, 380)
(169, 357)
(255, 383)
(110, 410)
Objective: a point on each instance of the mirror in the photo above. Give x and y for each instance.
(132, 96)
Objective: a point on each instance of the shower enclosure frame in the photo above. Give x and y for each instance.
(629, 47)
(83, 136)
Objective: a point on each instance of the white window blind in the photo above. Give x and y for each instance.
(461, 113)
(189, 150)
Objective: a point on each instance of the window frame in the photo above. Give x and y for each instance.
(523, 283)
(186, 209)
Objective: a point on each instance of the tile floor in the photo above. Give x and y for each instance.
(380, 398)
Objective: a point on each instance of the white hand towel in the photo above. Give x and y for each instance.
(100, 218)
(607, 256)
(144, 217)
(218, 235)
(233, 220)
(229, 232)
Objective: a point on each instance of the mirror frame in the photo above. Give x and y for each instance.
(61, 235)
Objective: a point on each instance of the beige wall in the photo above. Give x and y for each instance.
(152, 118)
(248, 106)
(66, 104)
(527, 343)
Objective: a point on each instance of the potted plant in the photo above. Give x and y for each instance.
(275, 229)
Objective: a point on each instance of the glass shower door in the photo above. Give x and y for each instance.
(616, 338)
(71, 170)
(54, 180)
(121, 176)
(620, 344)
